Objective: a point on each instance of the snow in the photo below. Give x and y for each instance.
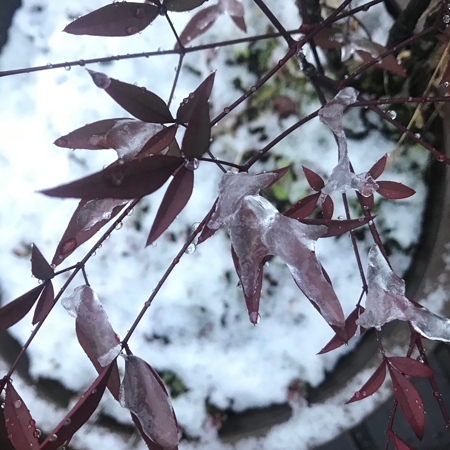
(197, 326)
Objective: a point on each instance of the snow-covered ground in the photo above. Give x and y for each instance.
(197, 326)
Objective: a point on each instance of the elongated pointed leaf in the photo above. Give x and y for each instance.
(139, 102)
(117, 19)
(314, 180)
(14, 311)
(39, 266)
(235, 9)
(158, 142)
(185, 109)
(409, 401)
(132, 179)
(398, 443)
(148, 442)
(411, 367)
(199, 24)
(175, 199)
(304, 207)
(372, 385)
(19, 423)
(377, 169)
(338, 227)
(280, 173)
(182, 5)
(388, 63)
(45, 303)
(327, 208)
(393, 190)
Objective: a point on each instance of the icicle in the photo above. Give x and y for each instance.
(95, 211)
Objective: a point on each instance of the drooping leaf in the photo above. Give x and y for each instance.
(393, 190)
(14, 311)
(377, 169)
(132, 179)
(175, 199)
(158, 142)
(139, 102)
(304, 207)
(199, 24)
(398, 443)
(372, 385)
(148, 442)
(45, 303)
(143, 393)
(39, 266)
(411, 367)
(182, 5)
(280, 173)
(409, 401)
(79, 414)
(389, 62)
(116, 19)
(19, 423)
(327, 207)
(314, 180)
(338, 227)
(235, 10)
(114, 380)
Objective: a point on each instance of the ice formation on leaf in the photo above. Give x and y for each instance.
(257, 230)
(95, 211)
(93, 321)
(342, 178)
(144, 394)
(386, 301)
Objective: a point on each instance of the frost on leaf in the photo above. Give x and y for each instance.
(143, 393)
(257, 230)
(93, 321)
(95, 211)
(386, 301)
(342, 178)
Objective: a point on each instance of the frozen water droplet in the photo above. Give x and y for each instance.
(361, 219)
(253, 88)
(266, 264)
(132, 30)
(446, 19)
(100, 79)
(392, 114)
(49, 65)
(68, 246)
(17, 404)
(37, 433)
(67, 422)
(67, 67)
(94, 391)
(357, 394)
(441, 158)
(340, 218)
(154, 244)
(226, 110)
(363, 393)
(2, 406)
(192, 164)
(82, 62)
(119, 226)
(446, 84)
(130, 212)
(7, 419)
(191, 249)
(417, 135)
(32, 422)
(53, 437)
(139, 13)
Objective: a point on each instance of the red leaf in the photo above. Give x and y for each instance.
(240, 22)
(411, 367)
(409, 401)
(327, 208)
(388, 63)
(148, 442)
(280, 174)
(158, 142)
(303, 207)
(175, 199)
(79, 414)
(372, 385)
(199, 24)
(14, 311)
(235, 9)
(19, 423)
(117, 19)
(139, 102)
(40, 268)
(377, 169)
(132, 179)
(204, 89)
(338, 227)
(182, 5)
(45, 303)
(114, 380)
(398, 443)
(393, 190)
(314, 180)
(207, 232)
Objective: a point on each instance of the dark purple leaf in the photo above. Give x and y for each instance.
(327, 208)
(338, 227)
(411, 367)
(235, 10)
(19, 423)
(182, 5)
(398, 443)
(409, 401)
(79, 414)
(40, 268)
(138, 101)
(323, 38)
(280, 174)
(388, 63)
(117, 19)
(14, 311)
(377, 169)
(148, 442)
(132, 179)
(175, 199)
(393, 190)
(45, 303)
(207, 232)
(158, 142)
(372, 385)
(199, 24)
(314, 180)
(185, 109)
(304, 207)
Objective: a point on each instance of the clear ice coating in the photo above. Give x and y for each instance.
(95, 211)
(93, 321)
(100, 79)
(342, 178)
(352, 43)
(386, 301)
(257, 229)
(143, 394)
